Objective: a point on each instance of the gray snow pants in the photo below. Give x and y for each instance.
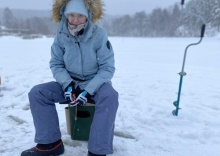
(42, 99)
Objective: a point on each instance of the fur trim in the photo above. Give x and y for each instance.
(94, 6)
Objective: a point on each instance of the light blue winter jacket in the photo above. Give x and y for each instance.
(87, 59)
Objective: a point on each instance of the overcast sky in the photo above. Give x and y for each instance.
(112, 7)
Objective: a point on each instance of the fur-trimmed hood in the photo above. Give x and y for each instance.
(95, 7)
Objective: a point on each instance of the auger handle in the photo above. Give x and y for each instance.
(203, 30)
(182, 2)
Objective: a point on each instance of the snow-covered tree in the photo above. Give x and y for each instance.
(216, 15)
(8, 18)
(208, 9)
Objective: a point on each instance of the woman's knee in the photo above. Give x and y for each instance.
(107, 95)
(48, 92)
(113, 94)
(34, 90)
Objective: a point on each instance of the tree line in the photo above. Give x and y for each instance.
(173, 21)
(35, 25)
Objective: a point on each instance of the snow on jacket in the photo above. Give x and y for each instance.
(86, 59)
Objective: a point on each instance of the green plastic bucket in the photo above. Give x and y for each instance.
(80, 118)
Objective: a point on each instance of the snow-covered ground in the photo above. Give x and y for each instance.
(147, 81)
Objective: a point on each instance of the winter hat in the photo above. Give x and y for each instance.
(76, 6)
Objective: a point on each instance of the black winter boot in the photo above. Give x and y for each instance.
(56, 149)
(91, 154)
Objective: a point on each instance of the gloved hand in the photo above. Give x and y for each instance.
(82, 98)
(69, 92)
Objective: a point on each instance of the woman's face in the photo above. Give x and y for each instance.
(76, 19)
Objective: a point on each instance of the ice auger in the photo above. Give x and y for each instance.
(182, 73)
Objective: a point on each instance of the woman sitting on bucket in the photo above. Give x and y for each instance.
(81, 58)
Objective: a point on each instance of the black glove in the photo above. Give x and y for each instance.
(70, 91)
(81, 99)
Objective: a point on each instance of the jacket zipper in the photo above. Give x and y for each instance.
(78, 43)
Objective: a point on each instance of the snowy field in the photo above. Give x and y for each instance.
(147, 81)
